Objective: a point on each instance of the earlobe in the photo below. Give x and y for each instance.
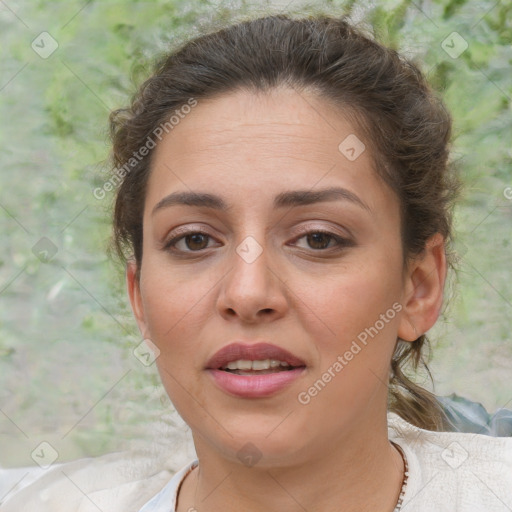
(133, 288)
(423, 290)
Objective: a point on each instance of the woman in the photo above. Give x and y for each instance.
(284, 214)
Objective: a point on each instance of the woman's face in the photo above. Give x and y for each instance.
(250, 273)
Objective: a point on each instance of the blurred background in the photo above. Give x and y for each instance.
(70, 371)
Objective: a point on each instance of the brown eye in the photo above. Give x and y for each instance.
(196, 241)
(193, 241)
(323, 240)
(319, 240)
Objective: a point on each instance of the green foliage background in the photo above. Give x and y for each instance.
(67, 370)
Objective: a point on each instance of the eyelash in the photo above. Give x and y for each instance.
(340, 241)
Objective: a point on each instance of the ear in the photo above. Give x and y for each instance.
(423, 290)
(133, 286)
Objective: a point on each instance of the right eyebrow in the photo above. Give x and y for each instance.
(191, 199)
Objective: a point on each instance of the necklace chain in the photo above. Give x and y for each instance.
(404, 481)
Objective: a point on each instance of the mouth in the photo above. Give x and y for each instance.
(257, 367)
(254, 371)
(256, 359)
(261, 370)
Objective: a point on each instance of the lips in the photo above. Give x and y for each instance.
(254, 384)
(254, 352)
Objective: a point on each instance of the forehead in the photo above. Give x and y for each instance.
(253, 143)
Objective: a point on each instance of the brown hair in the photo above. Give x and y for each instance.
(395, 109)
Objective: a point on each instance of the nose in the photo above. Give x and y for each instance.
(253, 290)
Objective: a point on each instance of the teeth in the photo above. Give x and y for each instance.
(244, 364)
(261, 365)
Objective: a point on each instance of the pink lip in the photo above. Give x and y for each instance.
(257, 351)
(253, 386)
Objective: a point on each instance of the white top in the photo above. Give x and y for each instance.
(448, 471)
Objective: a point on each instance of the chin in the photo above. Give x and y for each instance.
(256, 441)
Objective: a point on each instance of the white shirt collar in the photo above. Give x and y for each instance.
(165, 500)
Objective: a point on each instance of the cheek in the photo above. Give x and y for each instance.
(175, 311)
(352, 299)
(353, 344)
(175, 308)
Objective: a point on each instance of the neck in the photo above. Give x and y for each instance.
(361, 470)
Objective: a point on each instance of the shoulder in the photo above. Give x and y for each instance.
(115, 482)
(464, 471)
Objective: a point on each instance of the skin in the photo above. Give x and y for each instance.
(310, 300)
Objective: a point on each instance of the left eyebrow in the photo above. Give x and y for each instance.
(292, 198)
(305, 197)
